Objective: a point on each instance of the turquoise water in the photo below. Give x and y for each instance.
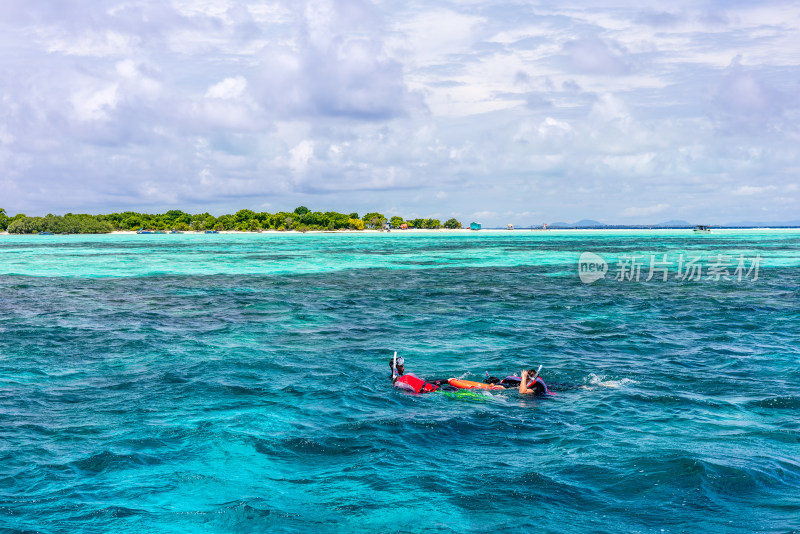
(239, 383)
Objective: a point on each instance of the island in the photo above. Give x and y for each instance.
(302, 219)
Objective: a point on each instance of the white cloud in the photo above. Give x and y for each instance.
(95, 103)
(630, 163)
(484, 215)
(459, 108)
(301, 155)
(94, 44)
(553, 127)
(592, 55)
(430, 36)
(645, 211)
(751, 190)
(228, 89)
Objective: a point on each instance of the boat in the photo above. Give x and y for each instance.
(176, 232)
(46, 233)
(509, 226)
(702, 229)
(143, 231)
(211, 232)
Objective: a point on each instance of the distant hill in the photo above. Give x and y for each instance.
(589, 222)
(754, 224)
(583, 223)
(676, 223)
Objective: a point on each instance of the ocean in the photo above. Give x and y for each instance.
(241, 382)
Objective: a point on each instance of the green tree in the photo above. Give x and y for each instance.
(242, 216)
(396, 221)
(134, 222)
(374, 220)
(227, 222)
(173, 217)
(68, 224)
(22, 225)
(301, 219)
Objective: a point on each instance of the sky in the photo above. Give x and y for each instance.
(496, 112)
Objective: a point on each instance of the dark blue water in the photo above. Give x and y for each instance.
(240, 384)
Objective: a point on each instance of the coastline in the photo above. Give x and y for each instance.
(483, 231)
(462, 231)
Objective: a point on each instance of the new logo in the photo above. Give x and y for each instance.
(591, 267)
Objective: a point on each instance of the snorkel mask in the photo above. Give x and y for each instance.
(396, 362)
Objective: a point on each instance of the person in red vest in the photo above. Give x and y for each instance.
(409, 382)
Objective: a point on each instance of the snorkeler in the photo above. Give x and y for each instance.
(411, 382)
(397, 365)
(529, 381)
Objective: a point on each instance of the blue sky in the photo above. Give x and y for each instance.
(522, 112)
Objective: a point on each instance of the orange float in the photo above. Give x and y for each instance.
(469, 384)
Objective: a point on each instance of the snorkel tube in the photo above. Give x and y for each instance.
(394, 367)
(536, 374)
(531, 378)
(538, 385)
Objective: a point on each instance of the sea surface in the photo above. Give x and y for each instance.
(240, 383)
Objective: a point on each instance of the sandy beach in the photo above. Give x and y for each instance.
(467, 231)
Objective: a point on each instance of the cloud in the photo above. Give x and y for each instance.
(659, 19)
(442, 107)
(301, 155)
(228, 89)
(740, 92)
(645, 211)
(592, 55)
(484, 215)
(534, 101)
(751, 190)
(95, 103)
(336, 65)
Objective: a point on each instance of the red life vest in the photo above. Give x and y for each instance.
(414, 383)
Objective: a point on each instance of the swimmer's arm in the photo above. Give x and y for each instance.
(523, 384)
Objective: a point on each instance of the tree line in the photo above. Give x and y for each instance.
(301, 219)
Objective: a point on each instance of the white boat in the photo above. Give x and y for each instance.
(701, 229)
